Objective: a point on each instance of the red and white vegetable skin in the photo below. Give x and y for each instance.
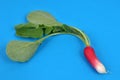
(93, 60)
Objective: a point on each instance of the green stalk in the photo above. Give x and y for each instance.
(84, 37)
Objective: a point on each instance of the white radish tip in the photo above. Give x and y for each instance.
(101, 69)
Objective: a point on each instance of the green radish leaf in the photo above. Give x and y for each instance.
(48, 30)
(31, 25)
(41, 17)
(58, 29)
(21, 51)
(73, 30)
(29, 30)
(41, 25)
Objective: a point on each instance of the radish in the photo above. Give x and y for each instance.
(93, 60)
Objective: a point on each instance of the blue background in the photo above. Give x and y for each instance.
(61, 57)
